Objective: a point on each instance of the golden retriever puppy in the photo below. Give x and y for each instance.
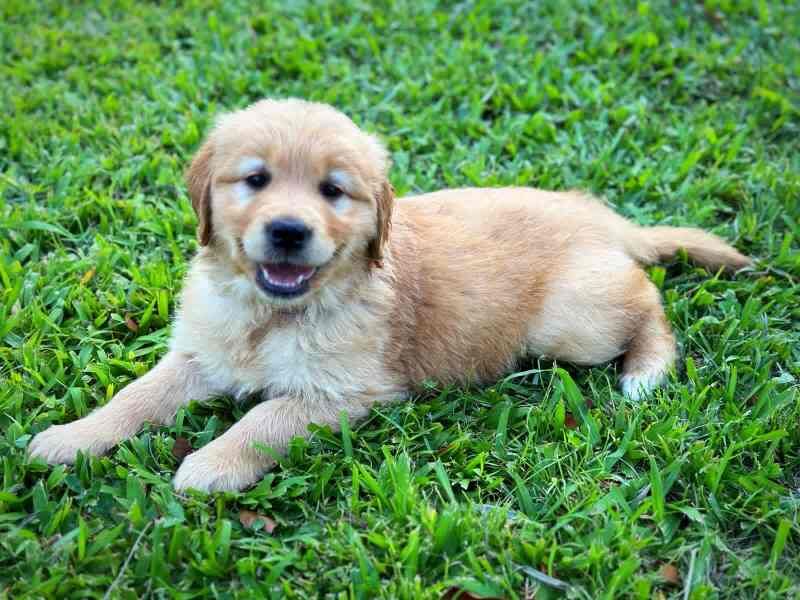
(315, 288)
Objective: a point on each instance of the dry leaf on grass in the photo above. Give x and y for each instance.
(669, 573)
(570, 422)
(181, 449)
(131, 323)
(254, 520)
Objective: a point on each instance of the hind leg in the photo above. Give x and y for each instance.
(651, 353)
(603, 305)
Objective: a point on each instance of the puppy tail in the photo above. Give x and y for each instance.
(651, 245)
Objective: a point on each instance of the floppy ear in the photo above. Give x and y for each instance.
(385, 202)
(198, 180)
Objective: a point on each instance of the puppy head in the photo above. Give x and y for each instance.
(293, 194)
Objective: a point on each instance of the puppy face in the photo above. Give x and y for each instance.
(293, 194)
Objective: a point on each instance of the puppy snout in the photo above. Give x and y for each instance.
(288, 234)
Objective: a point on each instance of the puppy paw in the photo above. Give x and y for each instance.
(638, 385)
(217, 469)
(59, 444)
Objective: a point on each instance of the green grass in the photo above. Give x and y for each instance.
(677, 112)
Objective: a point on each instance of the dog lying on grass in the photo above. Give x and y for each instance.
(315, 288)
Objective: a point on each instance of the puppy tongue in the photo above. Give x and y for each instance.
(287, 273)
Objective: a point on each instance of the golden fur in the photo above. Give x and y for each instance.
(453, 286)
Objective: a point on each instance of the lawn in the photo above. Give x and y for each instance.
(549, 483)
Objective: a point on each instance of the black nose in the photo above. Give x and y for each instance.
(288, 234)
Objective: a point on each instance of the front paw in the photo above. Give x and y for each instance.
(216, 468)
(59, 444)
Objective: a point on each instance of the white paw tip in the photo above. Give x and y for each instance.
(205, 472)
(639, 385)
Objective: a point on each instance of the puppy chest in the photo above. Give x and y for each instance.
(289, 362)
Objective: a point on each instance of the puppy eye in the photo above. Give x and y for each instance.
(330, 190)
(257, 180)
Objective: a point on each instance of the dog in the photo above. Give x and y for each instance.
(314, 287)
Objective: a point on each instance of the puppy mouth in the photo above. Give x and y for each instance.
(285, 280)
